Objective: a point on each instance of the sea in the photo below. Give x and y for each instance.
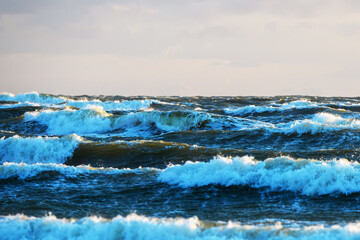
(150, 167)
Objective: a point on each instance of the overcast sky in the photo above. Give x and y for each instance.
(164, 47)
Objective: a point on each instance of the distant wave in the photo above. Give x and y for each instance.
(96, 120)
(36, 99)
(299, 104)
(308, 177)
(321, 122)
(140, 227)
(32, 97)
(17, 105)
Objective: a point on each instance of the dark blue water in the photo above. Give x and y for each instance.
(179, 167)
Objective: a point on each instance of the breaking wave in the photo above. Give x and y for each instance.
(308, 177)
(38, 149)
(321, 122)
(34, 99)
(299, 104)
(134, 226)
(96, 120)
(112, 105)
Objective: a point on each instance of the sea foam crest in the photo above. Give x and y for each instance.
(112, 105)
(95, 120)
(32, 97)
(35, 98)
(308, 177)
(89, 120)
(17, 105)
(321, 122)
(23, 170)
(299, 104)
(167, 121)
(140, 227)
(38, 149)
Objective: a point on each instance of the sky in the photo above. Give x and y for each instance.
(164, 47)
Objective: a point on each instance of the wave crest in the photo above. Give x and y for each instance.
(24, 171)
(38, 149)
(308, 177)
(95, 120)
(134, 226)
(322, 122)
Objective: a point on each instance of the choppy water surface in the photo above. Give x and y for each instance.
(113, 167)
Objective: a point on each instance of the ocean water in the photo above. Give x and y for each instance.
(114, 167)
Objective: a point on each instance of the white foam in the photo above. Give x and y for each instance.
(37, 149)
(95, 120)
(68, 121)
(23, 170)
(112, 105)
(52, 101)
(140, 227)
(32, 97)
(16, 105)
(167, 121)
(300, 104)
(308, 177)
(250, 109)
(321, 122)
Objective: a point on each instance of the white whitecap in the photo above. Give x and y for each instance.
(299, 104)
(24, 170)
(68, 121)
(321, 122)
(37, 149)
(94, 119)
(32, 97)
(308, 177)
(112, 105)
(135, 226)
(35, 98)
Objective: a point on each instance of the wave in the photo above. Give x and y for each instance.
(112, 105)
(299, 104)
(68, 121)
(320, 123)
(34, 99)
(24, 171)
(308, 177)
(18, 105)
(96, 120)
(38, 149)
(135, 226)
(146, 153)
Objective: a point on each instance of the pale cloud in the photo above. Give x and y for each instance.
(204, 47)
